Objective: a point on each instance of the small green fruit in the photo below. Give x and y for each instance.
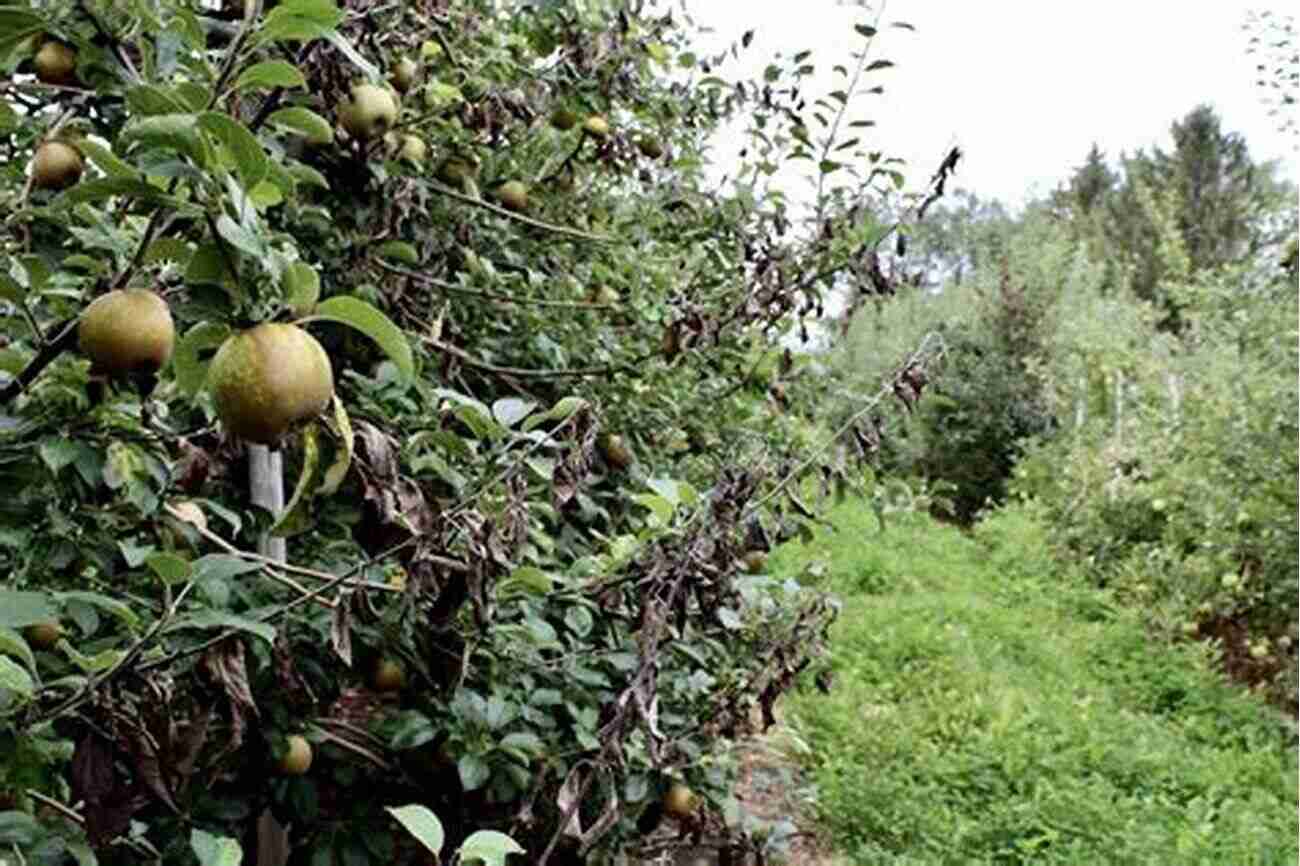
(563, 119)
(297, 756)
(680, 801)
(513, 195)
(650, 147)
(127, 331)
(454, 171)
(56, 165)
(616, 452)
(368, 112)
(404, 73)
(388, 676)
(414, 149)
(268, 378)
(596, 126)
(755, 561)
(43, 635)
(55, 63)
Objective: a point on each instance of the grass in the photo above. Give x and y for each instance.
(987, 709)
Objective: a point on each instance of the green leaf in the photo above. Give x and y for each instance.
(270, 73)
(208, 266)
(12, 643)
(665, 487)
(303, 121)
(880, 64)
(16, 24)
(360, 315)
(15, 679)
(103, 602)
(662, 508)
(19, 608)
(107, 187)
(149, 100)
(170, 567)
(299, 21)
(399, 251)
(243, 239)
(191, 371)
(474, 772)
(338, 470)
(509, 411)
(221, 566)
(479, 420)
(168, 250)
(250, 161)
(301, 286)
(17, 828)
(421, 823)
(865, 30)
(490, 846)
(523, 742)
(105, 160)
(176, 132)
(216, 620)
(530, 578)
(296, 516)
(561, 411)
(215, 850)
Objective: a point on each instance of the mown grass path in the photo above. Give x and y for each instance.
(989, 709)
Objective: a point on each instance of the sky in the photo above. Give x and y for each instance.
(1024, 88)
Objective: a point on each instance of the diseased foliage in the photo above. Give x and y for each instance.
(513, 258)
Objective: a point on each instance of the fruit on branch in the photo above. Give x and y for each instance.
(513, 195)
(616, 452)
(127, 331)
(604, 294)
(56, 165)
(455, 170)
(755, 561)
(368, 112)
(55, 63)
(563, 119)
(388, 675)
(403, 76)
(596, 126)
(268, 378)
(297, 756)
(680, 801)
(650, 146)
(43, 635)
(413, 149)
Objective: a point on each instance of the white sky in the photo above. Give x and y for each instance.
(1024, 88)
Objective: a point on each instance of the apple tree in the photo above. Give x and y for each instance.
(394, 400)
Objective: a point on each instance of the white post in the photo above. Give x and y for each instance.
(266, 488)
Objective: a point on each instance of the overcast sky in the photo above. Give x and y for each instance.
(1024, 88)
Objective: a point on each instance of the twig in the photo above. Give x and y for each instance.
(523, 372)
(84, 693)
(491, 296)
(118, 53)
(839, 116)
(345, 743)
(509, 214)
(269, 565)
(66, 335)
(885, 389)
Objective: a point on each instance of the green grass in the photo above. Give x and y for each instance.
(988, 710)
